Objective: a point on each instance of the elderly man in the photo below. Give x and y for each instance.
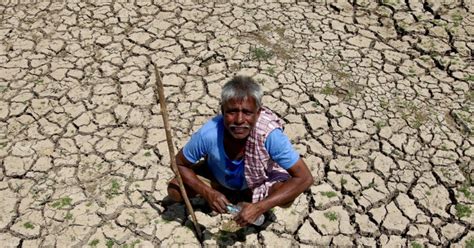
(242, 156)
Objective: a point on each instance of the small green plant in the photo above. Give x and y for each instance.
(113, 190)
(425, 59)
(469, 77)
(259, 53)
(328, 90)
(352, 163)
(147, 154)
(18, 187)
(109, 243)
(466, 192)
(343, 181)
(384, 102)
(280, 31)
(416, 245)
(470, 243)
(61, 203)
(68, 216)
(94, 243)
(332, 216)
(271, 70)
(419, 120)
(28, 225)
(470, 96)
(372, 184)
(380, 124)
(134, 243)
(329, 194)
(428, 193)
(463, 210)
(457, 19)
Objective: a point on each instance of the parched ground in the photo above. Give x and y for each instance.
(377, 97)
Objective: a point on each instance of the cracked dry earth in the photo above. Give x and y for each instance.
(377, 97)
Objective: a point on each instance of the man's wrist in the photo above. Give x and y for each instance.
(263, 206)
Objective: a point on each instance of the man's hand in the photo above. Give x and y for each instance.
(216, 200)
(249, 213)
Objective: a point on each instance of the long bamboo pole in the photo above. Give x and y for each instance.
(169, 139)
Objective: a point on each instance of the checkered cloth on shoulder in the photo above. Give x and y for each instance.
(261, 172)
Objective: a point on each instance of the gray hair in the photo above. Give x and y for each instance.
(241, 87)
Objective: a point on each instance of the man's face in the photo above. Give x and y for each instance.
(240, 116)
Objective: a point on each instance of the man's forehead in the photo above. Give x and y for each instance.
(241, 100)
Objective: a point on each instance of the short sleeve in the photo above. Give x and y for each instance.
(280, 149)
(195, 149)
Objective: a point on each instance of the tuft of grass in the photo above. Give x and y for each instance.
(466, 192)
(61, 203)
(332, 216)
(380, 124)
(457, 19)
(134, 243)
(68, 216)
(419, 119)
(384, 103)
(470, 95)
(391, 2)
(328, 90)
(469, 77)
(416, 245)
(259, 53)
(114, 189)
(463, 210)
(94, 243)
(372, 184)
(109, 243)
(329, 194)
(470, 243)
(28, 225)
(271, 70)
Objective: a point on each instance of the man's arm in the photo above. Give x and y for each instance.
(217, 201)
(300, 180)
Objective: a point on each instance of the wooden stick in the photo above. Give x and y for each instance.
(169, 139)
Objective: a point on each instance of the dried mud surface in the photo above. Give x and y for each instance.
(377, 97)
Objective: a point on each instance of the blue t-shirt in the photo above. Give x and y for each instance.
(209, 141)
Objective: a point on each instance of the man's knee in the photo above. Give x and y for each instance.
(173, 191)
